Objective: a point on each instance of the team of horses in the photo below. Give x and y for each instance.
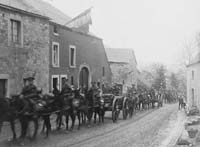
(72, 106)
(75, 105)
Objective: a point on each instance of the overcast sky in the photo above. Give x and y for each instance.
(155, 29)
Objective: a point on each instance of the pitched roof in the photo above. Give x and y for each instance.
(195, 59)
(86, 14)
(38, 7)
(120, 55)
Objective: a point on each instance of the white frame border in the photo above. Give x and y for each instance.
(52, 77)
(55, 43)
(74, 47)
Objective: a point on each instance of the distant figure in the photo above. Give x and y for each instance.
(180, 103)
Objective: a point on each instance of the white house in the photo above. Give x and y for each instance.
(193, 82)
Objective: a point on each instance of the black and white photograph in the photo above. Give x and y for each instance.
(99, 73)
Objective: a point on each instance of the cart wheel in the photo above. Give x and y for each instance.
(115, 112)
(125, 108)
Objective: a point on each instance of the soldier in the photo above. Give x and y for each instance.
(29, 92)
(55, 91)
(91, 93)
(66, 90)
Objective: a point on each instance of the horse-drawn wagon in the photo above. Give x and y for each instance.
(116, 102)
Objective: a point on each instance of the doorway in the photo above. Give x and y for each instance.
(84, 78)
(3, 89)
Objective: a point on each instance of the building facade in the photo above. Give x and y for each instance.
(123, 66)
(78, 56)
(193, 84)
(24, 47)
(34, 37)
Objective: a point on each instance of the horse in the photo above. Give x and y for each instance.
(131, 105)
(25, 119)
(95, 106)
(145, 101)
(51, 104)
(140, 101)
(66, 111)
(76, 105)
(11, 110)
(8, 113)
(89, 97)
(79, 106)
(98, 108)
(148, 101)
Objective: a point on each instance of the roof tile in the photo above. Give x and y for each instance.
(39, 7)
(120, 55)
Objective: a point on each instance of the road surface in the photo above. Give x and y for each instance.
(149, 128)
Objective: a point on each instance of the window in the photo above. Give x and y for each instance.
(192, 75)
(3, 88)
(55, 82)
(55, 54)
(72, 56)
(55, 30)
(103, 71)
(15, 31)
(62, 77)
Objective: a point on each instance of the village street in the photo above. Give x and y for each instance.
(152, 128)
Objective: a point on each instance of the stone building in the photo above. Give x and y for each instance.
(123, 66)
(193, 82)
(24, 47)
(36, 37)
(78, 56)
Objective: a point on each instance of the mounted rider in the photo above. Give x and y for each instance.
(92, 92)
(66, 92)
(66, 89)
(55, 91)
(29, 93)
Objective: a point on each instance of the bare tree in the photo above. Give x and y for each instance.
(190, 49)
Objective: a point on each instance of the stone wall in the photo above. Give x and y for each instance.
(30, 54)
(124, 73)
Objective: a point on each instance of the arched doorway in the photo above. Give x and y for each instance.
(84, 78)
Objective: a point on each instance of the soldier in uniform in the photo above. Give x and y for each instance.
(55, 91)
(66, 89)
(91, 93)
(29, 92)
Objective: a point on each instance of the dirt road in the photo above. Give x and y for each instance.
(146, 129)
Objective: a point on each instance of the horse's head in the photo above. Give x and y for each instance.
(101, 102)
(16, 102)
(76, 102)
(76, 93)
